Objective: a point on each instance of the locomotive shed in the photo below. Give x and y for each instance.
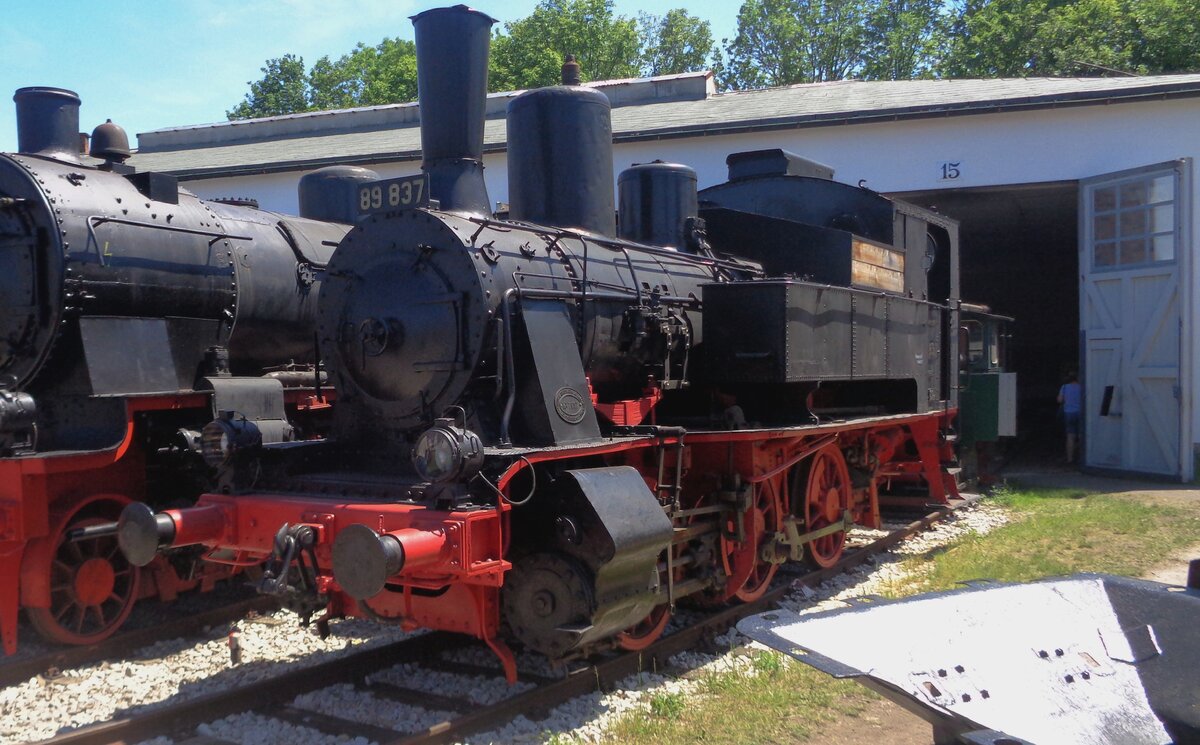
(1060, 184)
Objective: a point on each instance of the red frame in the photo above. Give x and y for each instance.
(41, 494)
(456, 585)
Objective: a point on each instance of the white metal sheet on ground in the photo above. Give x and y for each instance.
(1055, 668)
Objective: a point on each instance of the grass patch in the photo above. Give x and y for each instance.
(1062, 531)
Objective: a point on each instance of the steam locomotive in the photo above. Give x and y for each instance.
(132, 312)
(550, 430)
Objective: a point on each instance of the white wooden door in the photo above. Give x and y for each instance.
(1131, 300)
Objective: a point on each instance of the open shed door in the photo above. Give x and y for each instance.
(1132, 297)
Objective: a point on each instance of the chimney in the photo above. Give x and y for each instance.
(452, 69)
(47, 121)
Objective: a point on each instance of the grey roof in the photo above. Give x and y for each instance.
(652, 108)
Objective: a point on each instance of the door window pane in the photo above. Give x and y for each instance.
(1162, 189)
(1164, 218)
(1133, 194)
(1133, 223)
(1133, 252)
(1164, 247)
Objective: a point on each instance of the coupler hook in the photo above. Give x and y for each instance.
(294, 544)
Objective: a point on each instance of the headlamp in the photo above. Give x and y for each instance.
(447, 451)
(227, 436)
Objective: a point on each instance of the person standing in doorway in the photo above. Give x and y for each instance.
(1070, 399)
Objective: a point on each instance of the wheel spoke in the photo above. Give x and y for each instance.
(75, 619)
(66, 607)
(764, 521)
(826, 496)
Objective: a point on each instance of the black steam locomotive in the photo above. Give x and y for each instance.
(551, 428)
(132, 312)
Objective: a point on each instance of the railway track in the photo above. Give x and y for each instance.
(125, 642)
(446, 718)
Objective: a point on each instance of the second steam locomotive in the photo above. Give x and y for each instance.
(131, 312)
(550, 430)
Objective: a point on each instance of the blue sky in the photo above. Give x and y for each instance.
(153, 65)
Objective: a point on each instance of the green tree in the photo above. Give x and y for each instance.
(1087, 37)
(1006, 38)
(760, 54)
(1167, 36)
(674, 43)
(780, 42)
(529, 52)
(903, 39)
(368, 76)
(995, 38)
(283, 89)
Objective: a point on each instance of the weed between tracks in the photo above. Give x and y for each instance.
(1054, 532)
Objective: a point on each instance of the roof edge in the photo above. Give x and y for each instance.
(621, 92)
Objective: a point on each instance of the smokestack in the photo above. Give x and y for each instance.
(452, 68)
(47, 121)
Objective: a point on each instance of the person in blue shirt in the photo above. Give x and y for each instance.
(1070, 398)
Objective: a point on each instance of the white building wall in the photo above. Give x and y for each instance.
(989, 150)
